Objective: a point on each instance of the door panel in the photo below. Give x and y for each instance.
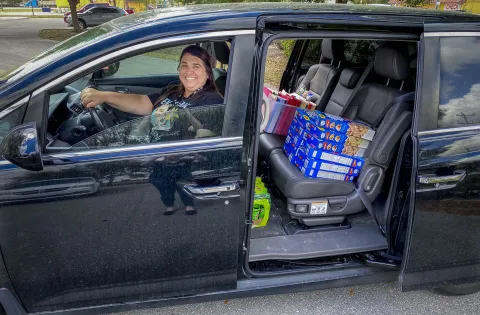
(89, 229)
(138, 85)
(444, 228)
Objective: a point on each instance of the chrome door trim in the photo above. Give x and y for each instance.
(452, 34)
(447, 130)
(133, 48)
(144, 147)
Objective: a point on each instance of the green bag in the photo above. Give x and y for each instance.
(261, 204)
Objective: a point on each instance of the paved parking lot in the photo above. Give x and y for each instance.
(19, 42)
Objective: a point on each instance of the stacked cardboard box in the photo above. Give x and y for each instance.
(327, 146)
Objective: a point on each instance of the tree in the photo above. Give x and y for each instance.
(415, 3)
(73, 11)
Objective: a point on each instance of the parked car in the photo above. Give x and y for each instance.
(82, 224)
(130, 11)
(85, 8)
(97, 15)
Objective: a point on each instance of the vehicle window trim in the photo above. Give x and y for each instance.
(452, 34)
(207, 142)
(128, 51)
(430, 130)
(448, 130)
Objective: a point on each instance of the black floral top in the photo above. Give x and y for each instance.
(168, 119)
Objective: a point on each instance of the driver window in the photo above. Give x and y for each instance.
(152, 97)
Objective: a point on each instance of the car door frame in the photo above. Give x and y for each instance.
(236, 99)
(431, 273)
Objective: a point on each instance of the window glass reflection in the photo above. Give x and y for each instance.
(459, 82)
(142, 131)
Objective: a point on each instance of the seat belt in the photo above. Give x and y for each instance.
(365, 73)
(409, 97)
(363, 197)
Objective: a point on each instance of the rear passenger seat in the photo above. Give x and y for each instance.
(367, 105)
(322, 78)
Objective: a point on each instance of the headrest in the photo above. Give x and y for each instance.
(222, 52)
(391, 63)
(332, 49)
(349, 78)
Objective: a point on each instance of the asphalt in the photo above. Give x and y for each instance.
(19, 42)
(385, 299)
(19, 39)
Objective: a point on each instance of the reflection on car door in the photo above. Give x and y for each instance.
(444, 243)
(89, 229)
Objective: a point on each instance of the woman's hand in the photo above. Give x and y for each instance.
(91, 97)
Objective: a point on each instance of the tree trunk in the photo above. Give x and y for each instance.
(114, 3)
(73, 11)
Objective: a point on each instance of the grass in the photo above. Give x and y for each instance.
(21, 10)
(56, 34)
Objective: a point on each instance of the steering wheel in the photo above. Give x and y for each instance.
(96, 119)
(99, 122)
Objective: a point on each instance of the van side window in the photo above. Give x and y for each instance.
(459, 100)
(313, 53)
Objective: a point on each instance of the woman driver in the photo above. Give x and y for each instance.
(196, 88)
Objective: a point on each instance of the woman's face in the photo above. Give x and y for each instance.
(192, 72)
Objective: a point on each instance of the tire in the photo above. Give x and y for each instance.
(460, 289)
(82, 24)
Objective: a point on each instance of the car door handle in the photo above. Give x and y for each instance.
(221, 191)
(122, 90)
(433, 179)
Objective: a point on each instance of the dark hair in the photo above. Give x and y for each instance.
(209, 86)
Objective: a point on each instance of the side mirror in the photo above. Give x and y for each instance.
(20, 147)
(110, 69)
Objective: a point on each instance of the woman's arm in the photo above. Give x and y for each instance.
(131, 103)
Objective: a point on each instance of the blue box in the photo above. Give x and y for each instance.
(341, 159)
(313, 146)
(308, 163)
(308, 172)
(312, 119)
(294, 138)
(305, 128)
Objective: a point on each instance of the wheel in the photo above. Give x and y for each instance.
(459, 289)
(82, 24)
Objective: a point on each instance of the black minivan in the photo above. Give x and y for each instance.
(82, 224)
